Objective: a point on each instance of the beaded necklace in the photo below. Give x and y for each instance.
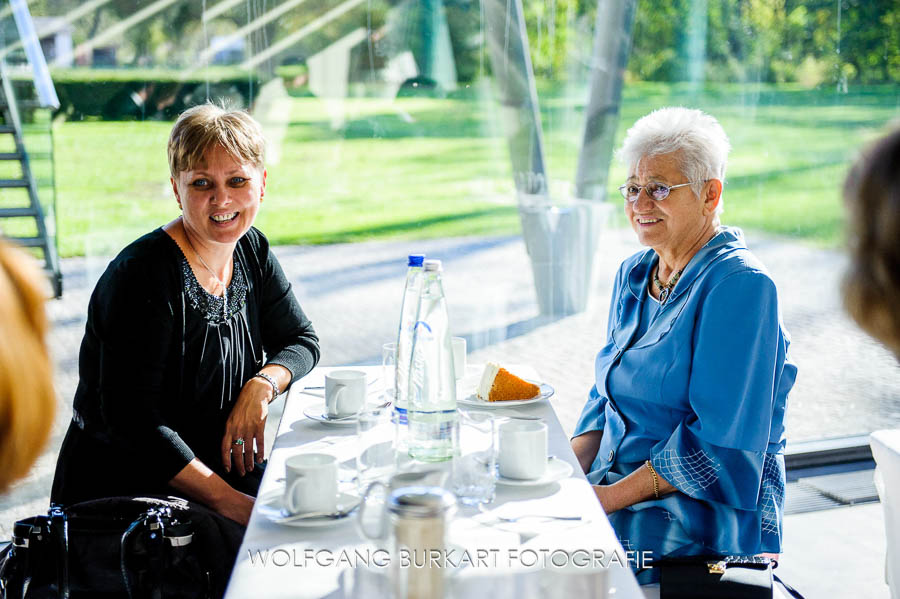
(218, 280)
(665, 290)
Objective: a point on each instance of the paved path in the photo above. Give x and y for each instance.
(847, 383)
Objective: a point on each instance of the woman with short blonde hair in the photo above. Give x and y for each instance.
(191, 332)
(27, 399)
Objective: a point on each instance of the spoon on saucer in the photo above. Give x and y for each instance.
(317, 515)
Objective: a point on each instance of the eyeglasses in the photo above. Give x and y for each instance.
(655, 191)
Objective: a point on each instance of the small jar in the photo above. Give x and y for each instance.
(414, 522)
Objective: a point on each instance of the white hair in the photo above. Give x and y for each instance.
(696, 135)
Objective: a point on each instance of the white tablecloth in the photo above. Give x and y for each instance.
(886, 451)
(281, 561)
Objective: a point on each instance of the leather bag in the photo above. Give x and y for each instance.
(121, 547)
(717, 577)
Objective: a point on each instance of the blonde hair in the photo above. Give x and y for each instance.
(27, 399)
(872, 282)
(201, 128)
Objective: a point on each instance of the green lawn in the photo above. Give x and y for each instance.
(419, 167)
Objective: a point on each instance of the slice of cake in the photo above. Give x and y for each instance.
(498, 384)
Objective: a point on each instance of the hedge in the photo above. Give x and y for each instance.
(122, 94)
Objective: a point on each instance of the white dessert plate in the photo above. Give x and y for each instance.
(472, 399)
(317, 412)
(556, 470)
(271, 506)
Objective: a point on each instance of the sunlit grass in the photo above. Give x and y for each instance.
(421, 167)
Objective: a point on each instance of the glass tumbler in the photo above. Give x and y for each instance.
(389, 370)
(473, 477)
(375, 437)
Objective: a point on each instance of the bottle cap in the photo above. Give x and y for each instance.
(416, 259)
(433, 266)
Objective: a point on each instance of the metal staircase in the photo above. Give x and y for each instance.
(42, 241)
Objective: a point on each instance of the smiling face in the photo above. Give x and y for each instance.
(219, 197)
(673, 225)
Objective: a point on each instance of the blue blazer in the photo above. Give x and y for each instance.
(700, 391)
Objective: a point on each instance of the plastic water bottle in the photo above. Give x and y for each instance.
(432, 412)
(414, 277)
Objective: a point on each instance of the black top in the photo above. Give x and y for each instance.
(162, 364)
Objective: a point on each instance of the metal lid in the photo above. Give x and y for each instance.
(433, 266)
(421, 502)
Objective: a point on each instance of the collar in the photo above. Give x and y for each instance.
(727, 240)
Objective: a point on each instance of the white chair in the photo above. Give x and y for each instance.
(886, 451)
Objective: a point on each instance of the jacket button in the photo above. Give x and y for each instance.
(612, 454)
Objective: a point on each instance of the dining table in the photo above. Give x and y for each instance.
(517, 545)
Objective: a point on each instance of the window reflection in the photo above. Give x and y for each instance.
(481, 133)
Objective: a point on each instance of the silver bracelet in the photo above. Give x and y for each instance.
(262, 375)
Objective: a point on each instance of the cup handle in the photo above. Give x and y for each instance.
(381, 533)
(338, 393)
(289, 495)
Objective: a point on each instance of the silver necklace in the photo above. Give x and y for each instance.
(218, 280)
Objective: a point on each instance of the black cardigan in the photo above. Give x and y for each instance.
(141, 410)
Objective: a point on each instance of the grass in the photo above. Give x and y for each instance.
(422, 167)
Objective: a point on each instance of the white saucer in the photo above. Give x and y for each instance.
(317, 412)
(270, 506)
(556, 470)
(472, 399)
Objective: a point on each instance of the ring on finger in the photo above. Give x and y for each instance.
(238, 441)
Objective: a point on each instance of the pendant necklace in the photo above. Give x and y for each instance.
(218, 280)
(665, 290)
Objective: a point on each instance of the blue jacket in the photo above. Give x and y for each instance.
(699, 388)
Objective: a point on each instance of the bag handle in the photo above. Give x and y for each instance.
(154, 520)
(791, 590)
(41, 533)
(59, 532)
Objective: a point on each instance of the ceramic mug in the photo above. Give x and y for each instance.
(345, 392)
(523, 449)
(311, 483)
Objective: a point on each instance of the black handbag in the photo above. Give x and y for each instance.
(128, 547)
(712, 577)
(717, 577)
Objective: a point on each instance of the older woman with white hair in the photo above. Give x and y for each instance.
(683, 432)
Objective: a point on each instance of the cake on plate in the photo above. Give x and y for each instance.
(498, 384)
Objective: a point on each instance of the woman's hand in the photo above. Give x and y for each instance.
(247, 422)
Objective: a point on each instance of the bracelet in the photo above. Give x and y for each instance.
(655, 478)
(275, 391)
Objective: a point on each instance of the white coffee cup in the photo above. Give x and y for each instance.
(523, 449)
(311, 481)
(345, 392)
(459, 356)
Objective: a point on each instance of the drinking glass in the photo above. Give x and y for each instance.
(389, 370)
(473, 479)
(375, 438)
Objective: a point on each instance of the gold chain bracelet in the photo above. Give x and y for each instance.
(655, 478)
